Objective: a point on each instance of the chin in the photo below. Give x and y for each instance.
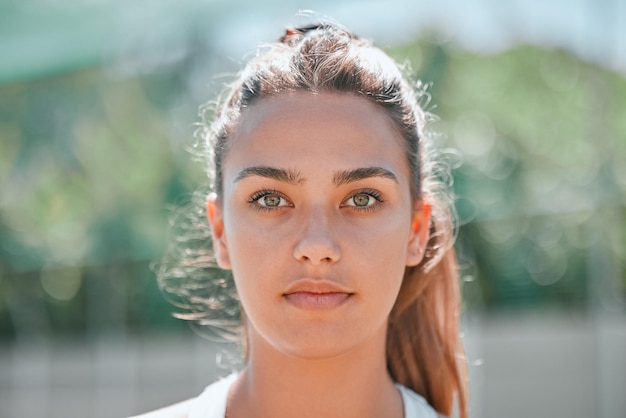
(321, 345)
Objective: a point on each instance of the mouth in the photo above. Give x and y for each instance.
(316, 294)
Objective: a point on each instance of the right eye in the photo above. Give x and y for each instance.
(268, 199)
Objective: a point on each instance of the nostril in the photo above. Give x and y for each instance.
(316, 245)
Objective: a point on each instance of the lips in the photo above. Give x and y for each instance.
(316, 294)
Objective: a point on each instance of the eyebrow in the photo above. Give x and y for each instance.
(282, 175)
(349, 176)
(291, 176)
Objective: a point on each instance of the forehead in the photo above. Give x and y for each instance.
(338, 128)
(309, 108)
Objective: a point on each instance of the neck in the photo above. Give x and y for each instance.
(355, 383)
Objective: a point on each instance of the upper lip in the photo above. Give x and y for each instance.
(316, 286)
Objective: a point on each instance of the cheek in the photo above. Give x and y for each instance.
(379, 251)
(254, 247)
(388, 235)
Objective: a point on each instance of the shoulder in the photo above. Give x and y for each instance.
(211, 403)
(415, 405)
(178, 410)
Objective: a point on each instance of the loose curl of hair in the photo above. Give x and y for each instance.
(424, 351)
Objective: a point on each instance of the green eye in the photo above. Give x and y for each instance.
(362, 200)
(271, 200)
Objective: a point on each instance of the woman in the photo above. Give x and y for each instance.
(327, 210)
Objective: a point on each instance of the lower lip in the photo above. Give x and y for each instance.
(317, 301)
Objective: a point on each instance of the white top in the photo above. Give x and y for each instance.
(212, 402)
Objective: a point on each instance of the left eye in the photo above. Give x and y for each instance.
(361, 200)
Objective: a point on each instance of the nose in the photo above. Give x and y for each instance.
(316, 244)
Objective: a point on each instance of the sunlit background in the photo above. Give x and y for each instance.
(98, 101)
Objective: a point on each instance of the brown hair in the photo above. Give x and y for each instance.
(424, 351)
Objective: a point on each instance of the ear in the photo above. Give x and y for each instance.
(418, 239)
(214, 211)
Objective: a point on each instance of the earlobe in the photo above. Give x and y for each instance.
(420, 228)
(216, 221)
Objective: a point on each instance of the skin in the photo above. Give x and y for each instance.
(318, 224)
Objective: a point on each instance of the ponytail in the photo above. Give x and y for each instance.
(424, 350)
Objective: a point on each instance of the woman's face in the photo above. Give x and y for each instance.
(316, 221)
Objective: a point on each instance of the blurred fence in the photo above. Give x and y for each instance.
(520, 367)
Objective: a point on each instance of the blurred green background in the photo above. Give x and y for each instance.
(98, 102)
(92, 155)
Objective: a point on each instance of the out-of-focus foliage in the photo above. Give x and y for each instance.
(89, 167)
(542, 183)
(91, 159)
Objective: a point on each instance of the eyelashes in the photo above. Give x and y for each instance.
(268, 200)
(363, 200)
(360, 200)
